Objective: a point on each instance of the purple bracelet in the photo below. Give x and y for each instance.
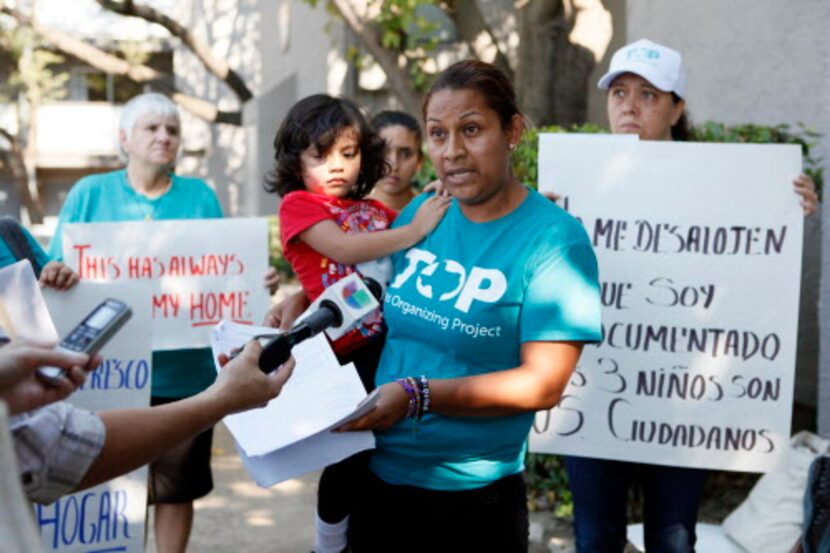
(412, 410)
(414, 384)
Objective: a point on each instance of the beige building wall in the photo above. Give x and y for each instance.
(285, 50)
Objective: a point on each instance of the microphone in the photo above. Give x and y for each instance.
(339, 309)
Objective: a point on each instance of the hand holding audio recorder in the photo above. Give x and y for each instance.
(91, 334)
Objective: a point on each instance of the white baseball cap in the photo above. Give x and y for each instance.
(659, 65)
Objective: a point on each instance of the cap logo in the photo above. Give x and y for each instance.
(643, 54)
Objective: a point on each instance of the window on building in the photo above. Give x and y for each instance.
(87, 84)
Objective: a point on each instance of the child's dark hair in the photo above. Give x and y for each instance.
(318, 121)
(390, 118)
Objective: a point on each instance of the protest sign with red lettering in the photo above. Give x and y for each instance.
(202, 270)
(699, 250)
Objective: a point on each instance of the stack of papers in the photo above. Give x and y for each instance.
(292, 434)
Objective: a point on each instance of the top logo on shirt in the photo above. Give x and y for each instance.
(486, 285)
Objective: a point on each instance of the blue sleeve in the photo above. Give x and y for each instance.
(404, 218)
(562, 302)
(40, 255)
(406, 215)
(202, 201)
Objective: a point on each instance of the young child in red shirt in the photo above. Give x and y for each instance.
(328, 159)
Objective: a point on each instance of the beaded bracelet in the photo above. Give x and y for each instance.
(412, 392)
(423, 389)
(414, 384)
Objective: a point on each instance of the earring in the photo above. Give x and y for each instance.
(511, 147)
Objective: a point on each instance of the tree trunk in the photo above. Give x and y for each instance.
(217, 67)
(552, 73)
(399, 80)
(20, 177)
(471, 24)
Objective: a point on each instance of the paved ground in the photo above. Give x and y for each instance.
(240, 517)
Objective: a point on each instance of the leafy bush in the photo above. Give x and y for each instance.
(275, 257)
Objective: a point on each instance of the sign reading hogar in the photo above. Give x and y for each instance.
(699, 250)
(202, 270)
(110, 516)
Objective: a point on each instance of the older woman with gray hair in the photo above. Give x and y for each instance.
(147, 190)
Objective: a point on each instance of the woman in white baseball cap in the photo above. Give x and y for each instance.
(646, 86)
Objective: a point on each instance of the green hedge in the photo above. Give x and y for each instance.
(275, 257)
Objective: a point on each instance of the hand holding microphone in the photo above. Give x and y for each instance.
(339, 309)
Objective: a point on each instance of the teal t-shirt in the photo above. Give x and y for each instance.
(108, 197)
(462, 303)
(7, 258)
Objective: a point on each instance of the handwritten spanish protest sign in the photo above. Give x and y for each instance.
(202, 270)
(699, 249)
(110, 516)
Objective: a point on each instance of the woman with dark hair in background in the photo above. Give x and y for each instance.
(404, 156)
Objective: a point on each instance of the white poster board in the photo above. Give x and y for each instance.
(23, 313)
(202, 270)
(699, 249)
(110, 516)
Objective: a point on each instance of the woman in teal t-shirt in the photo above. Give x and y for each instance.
(146, 189)
(486, 320)
(487, 317)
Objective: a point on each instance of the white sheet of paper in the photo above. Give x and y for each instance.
(315, 452)
(23, 313)
(318, 395)
(320, 450)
